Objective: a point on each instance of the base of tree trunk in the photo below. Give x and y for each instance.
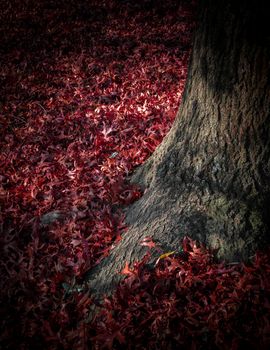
(167, 215)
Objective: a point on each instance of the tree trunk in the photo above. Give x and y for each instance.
(209, 179)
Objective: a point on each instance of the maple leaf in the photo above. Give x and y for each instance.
(106, 131)
(148, 242)
(126, 270)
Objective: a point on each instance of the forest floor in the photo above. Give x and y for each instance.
(88, 91)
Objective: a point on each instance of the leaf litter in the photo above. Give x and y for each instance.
(89, 90)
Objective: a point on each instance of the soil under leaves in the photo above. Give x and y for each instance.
(88, 91)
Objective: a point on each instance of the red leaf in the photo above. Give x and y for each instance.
(126, 270)
(148, 242)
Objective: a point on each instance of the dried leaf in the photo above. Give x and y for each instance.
(148, 242)
(126, 270)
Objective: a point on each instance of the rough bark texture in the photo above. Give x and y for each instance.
(210, 178)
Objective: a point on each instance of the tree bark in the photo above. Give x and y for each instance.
(210, 177)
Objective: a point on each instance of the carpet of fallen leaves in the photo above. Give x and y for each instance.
(88, 91)
(188, 301)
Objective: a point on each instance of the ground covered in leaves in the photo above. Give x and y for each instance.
(88, 90)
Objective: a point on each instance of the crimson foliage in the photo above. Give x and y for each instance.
(89, 89)
(188, 301)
